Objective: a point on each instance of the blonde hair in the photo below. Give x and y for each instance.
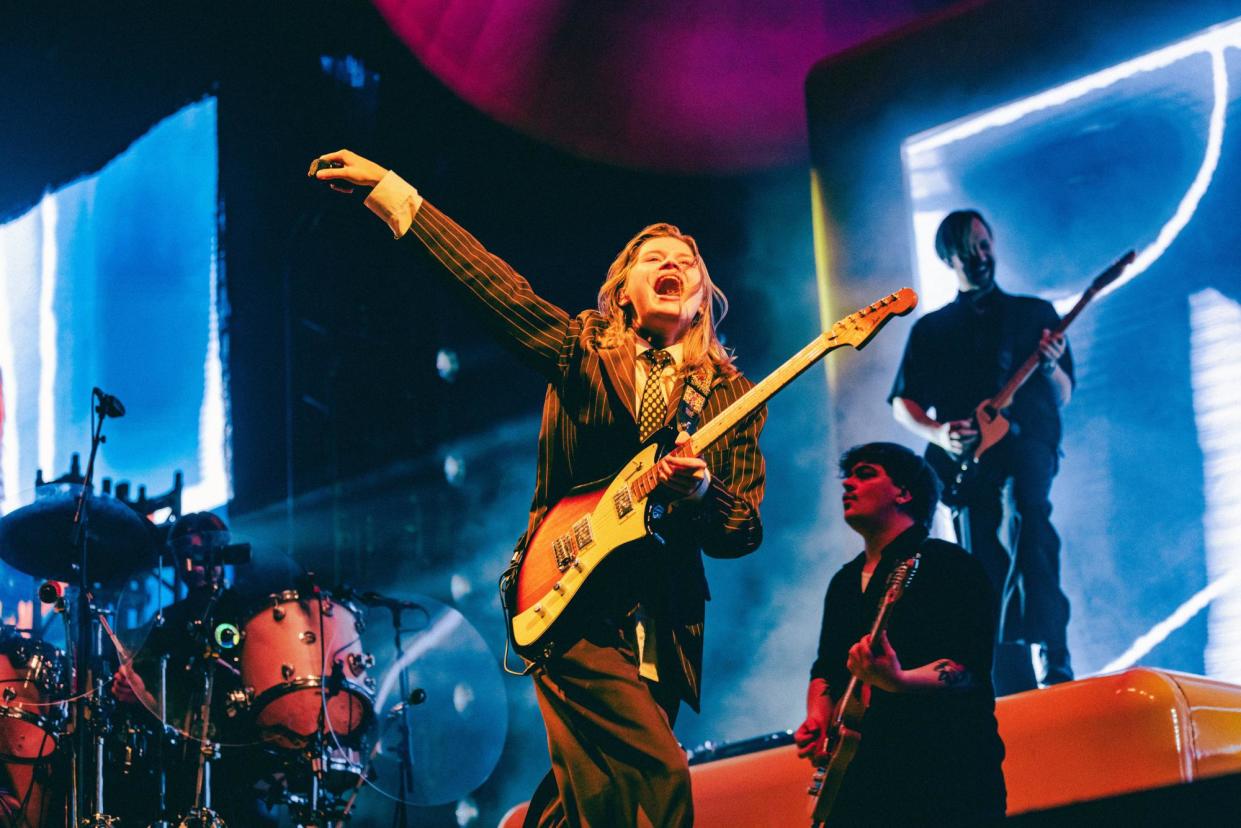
(700, 345)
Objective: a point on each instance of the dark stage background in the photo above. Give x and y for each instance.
(375, 435)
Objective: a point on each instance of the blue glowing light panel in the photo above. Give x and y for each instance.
(1142, 155)
(111, 282)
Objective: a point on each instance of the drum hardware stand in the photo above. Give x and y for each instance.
(201, 815)
(88, 719)
(408, 699)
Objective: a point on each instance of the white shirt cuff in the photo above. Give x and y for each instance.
(698, 494)
(395, 201)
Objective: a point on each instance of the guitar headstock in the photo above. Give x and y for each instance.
(859, 327)
(901, 577)
(1108, 276)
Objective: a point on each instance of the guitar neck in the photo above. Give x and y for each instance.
(748, 403)
(1004, 398)
(856, 329)
(851, 689)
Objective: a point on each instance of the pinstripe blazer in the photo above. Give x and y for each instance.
(589, 431)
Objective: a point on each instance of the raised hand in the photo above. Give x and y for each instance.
(344, 170)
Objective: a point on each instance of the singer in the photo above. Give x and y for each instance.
(613, 376)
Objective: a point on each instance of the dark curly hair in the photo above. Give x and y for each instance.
(907, 469)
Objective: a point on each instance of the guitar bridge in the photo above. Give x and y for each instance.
(562, 549)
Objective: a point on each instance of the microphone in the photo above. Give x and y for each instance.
(53, 593)
(109, 406)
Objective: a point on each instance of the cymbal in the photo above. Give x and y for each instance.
(447, 716)
(38, 539)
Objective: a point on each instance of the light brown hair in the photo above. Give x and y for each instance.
(700, 344)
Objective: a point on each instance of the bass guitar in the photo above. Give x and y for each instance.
(959, 470)
(844, 732)
(593, 521)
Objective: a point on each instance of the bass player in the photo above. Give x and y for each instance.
(957, 357)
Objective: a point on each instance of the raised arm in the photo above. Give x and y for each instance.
(504, 299)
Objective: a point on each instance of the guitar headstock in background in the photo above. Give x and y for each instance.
(860, 327)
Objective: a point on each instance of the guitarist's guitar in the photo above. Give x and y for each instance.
(844, 732)
(593, 521)
(958, 471)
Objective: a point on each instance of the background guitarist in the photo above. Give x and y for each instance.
(957, 357)
(609, 698)
(930, 752)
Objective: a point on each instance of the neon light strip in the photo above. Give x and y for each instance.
(48, 219)
(1213, 41)
(1156, 635)
(1193, 196)
(1215, 358)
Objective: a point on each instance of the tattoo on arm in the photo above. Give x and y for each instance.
(952, 674)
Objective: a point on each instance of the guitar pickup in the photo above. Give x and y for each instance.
(562, 549)
(623, 501)
(582, 534)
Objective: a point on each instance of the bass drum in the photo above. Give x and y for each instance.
(302, 665)
(33, 689)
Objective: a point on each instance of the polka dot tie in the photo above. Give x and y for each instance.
(653, 409)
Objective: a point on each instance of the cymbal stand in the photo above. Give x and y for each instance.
(202, 816)
(87, 805)
(401, 815)
(409, 698)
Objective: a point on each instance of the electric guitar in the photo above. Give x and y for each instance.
(593, 521)
(844, 732)
(958, 471)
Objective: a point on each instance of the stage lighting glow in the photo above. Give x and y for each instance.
(1130, 153)
(920, 156)
(111, 281)
(47, 333)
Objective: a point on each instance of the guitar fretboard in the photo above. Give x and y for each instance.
(855, 329)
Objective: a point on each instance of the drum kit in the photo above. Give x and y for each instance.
(269, 687)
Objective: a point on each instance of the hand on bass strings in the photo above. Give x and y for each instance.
(345, 170)
(956, 436)
(878, 665)
(681, 477)
(1050, 348)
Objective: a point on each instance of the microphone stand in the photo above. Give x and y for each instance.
(401, 815)
(84, 804)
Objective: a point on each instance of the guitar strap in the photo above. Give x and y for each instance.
(693, 398)
(689, 412)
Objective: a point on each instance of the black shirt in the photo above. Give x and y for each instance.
(943, 745)
(963, 353)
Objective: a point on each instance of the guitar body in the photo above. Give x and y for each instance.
(960, 472)
(842, 747)
(844, 731)
(574, 538)
(591, 523)
(957, 473)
